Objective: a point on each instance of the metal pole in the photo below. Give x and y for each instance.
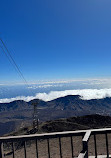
(37, 148)
(107, 145)
(72, 147)
(25, 155)
(95, 145)
(1, 150)
(60, 147)
(13, 150)
(48, 148)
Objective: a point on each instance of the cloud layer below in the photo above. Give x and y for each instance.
(85, 94)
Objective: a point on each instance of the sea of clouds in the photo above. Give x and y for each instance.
(85, 94)
(49, 90)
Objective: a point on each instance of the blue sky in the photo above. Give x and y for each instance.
(56, 39)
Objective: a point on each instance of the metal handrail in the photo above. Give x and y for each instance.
(94, 132)
(36, 137)
(84, 133)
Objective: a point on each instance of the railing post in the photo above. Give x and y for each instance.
(85, 148)
(107, 145)
(36, 148)
(95, 145)
(25, 149)
(84, 152)
(60, 147)
(72, 147)
(1, 150)
(48, 148)
(13, 149)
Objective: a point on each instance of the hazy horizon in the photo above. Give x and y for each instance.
(52, 89)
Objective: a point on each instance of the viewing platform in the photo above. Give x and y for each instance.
(82, 144)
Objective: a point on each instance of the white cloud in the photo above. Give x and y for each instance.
(71, 83)
(87, 83)
(85, 94)
(44, 86)
(7, 100)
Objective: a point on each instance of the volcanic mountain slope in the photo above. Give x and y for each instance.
(76, 123)
(73, 102)
(70, 124)
(63, 107)
(21, 112)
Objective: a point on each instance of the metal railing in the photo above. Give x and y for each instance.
(85, 134)
(94, 132)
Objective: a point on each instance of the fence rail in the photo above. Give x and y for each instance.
(47, 136)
